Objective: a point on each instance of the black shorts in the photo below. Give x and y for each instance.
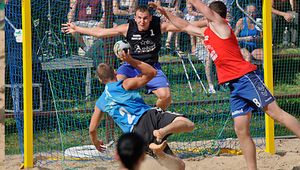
(154, 119)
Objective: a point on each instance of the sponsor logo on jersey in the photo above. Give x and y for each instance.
(136, 37)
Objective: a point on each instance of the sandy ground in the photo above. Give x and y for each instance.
(286, 158)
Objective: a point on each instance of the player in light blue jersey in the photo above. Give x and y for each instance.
(122, 102)
(125, 107)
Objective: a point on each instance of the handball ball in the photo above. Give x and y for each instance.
(121, 45)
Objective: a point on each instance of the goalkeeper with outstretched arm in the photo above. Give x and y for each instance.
(143, 33)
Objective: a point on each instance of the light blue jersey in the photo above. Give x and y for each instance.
(124, 106)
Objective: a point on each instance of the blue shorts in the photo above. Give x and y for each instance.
(159, 81)
(248, 93)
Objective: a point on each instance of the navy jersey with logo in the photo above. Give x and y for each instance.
(145, 45)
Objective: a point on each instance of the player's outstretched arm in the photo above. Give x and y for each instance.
(148, 72)
(218, 24)
(95, 121)
(99, 32)
(207, 12)
(178, 24)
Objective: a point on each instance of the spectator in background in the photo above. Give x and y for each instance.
(200, 50)
(172, 6)
(85, 14)
(192, 15)
(123, 9)
(249, 36)
(203, 55)
(285, 15)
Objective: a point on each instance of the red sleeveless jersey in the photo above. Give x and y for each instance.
(227, 56)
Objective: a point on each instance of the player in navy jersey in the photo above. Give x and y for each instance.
(123, 103)
(144, 36)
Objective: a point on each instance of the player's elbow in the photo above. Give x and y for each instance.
(188, 28)
(92, 131)
(152, 73)
(93, 134)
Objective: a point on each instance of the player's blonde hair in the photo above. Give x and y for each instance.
(105, 72)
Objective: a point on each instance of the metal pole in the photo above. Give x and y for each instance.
(27, 82)
(268, 70)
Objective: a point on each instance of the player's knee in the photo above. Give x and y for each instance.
(166, 98)
(188, 123)
(242, 131)
(275, 112)
(278, 115)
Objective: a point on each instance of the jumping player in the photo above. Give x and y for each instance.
(144, 36)
(123, 103)
(248, 91)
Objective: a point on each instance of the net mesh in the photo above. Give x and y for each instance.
(65, 86)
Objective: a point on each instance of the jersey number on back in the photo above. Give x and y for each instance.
(130, 117)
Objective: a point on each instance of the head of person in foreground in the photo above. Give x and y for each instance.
(131, 151)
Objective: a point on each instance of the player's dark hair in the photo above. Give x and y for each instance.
(142, 8)
(219, 7)
(105, 72)
(130, 148)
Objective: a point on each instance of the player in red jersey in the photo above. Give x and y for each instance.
(247, 90)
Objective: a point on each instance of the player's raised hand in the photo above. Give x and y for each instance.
(68, 28)
(156, 5)
(124, 55)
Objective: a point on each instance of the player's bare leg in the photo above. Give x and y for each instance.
(169, 161)
(179, 124)
(242, 130)
(283, 117)
(163, 97)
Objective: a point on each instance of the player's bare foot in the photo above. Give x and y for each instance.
(158, 135)
(158, 148)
